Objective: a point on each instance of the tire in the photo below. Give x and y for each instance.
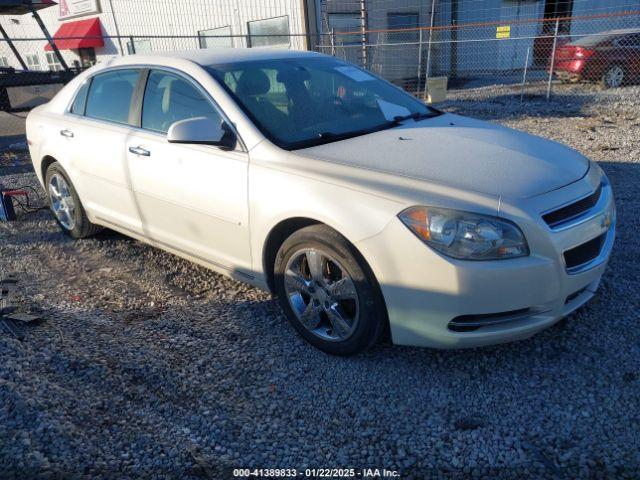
(339, 311)
(614, 76)
(70, 216)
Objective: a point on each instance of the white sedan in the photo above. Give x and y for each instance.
(363, 210)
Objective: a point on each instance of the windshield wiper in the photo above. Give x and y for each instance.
(329, 137)
(397, 120)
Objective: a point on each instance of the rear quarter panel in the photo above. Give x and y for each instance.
(44, 139)
(43, 127)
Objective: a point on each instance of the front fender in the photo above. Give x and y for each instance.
(277, 193)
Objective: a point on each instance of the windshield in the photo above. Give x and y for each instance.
(301, 102)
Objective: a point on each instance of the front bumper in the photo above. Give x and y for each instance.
(425, 291)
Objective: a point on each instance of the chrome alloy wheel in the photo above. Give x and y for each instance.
(322, 295)
(62, 204)
(614, 76)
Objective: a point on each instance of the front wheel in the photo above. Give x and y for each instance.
(328, 292)
(65, 204)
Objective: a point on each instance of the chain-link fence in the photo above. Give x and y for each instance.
(527, 56)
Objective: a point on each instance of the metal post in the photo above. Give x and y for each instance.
(133, 45)
(553, 57)
(453, 59)
(363, 29)
(332, 43)
(428, 70)
(307, 41)
(13, 48)
(34, 12)
(419, 61)
(115, 24)
(524, 75)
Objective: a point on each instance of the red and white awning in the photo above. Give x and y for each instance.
(78, 34)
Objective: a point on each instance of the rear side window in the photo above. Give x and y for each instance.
(81, 99)
(169, 98)
(630, 41)
(110, 95)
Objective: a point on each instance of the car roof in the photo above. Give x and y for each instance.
(218, 55)
(594, 39)
(622, 31)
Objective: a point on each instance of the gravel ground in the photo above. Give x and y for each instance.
(146, 366)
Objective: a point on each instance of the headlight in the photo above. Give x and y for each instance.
(464, 235)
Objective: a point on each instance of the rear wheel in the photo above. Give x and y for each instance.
(614, 76)
(65, 204)
(328, 292)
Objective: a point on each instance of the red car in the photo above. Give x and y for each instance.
(612, 58)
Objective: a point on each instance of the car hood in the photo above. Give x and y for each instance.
(462, 153)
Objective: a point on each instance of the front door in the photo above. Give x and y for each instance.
(192, 198)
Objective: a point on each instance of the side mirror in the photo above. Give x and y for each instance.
(202, 131)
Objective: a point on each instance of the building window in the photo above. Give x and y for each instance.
(403, 21)
(87, 57)
(215, 37)
(345, 22)
(140, 45)
(276, 28)
(53, 62)
(33, 61)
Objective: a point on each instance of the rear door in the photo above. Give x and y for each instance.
(192, 198)
(98, 128)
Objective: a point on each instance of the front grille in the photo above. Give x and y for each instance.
(584, 253)
(574, 210)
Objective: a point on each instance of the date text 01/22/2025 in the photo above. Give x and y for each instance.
(315, 473)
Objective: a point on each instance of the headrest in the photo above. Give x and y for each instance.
(293, 74)
(253, 82)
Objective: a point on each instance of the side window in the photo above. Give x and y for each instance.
(169, 98)
(81, 99)
(402, 21)
(628, 41)
(110, 95)
(634, 40)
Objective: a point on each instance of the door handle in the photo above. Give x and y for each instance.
(140, 151)
(66, 133)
